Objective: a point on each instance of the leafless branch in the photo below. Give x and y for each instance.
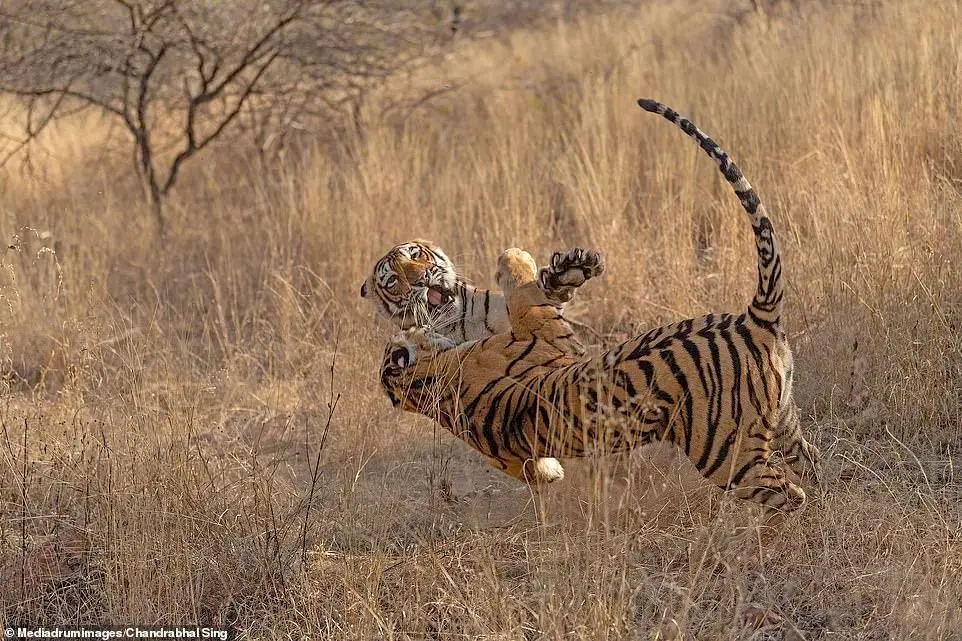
(206, 65)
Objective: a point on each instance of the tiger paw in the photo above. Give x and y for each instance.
(425, 339)
(569, 270)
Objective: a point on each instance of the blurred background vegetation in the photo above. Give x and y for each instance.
(192, 192)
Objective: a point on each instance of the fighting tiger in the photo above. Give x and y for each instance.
(719, 387)
(415, 284)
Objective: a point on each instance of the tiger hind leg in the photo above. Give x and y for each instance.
(568, 271)
(768, 485)
(799, 454)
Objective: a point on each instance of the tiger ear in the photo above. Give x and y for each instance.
(364, 289)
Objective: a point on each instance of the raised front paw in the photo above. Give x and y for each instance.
(569, 270)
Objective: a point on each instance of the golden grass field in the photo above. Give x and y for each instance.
(171, 448)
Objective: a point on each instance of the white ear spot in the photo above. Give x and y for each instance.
(399, 357)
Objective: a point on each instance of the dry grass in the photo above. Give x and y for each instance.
(163, 455)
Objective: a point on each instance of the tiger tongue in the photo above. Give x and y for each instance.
(434, 297)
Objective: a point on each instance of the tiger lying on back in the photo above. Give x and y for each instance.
(416, 285)
(719, 387)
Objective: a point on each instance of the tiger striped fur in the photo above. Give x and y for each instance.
(718, 386)
(415, 284)
(412, 284)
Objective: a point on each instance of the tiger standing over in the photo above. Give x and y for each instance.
(719, 387)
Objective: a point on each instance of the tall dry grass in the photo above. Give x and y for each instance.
(194, 433)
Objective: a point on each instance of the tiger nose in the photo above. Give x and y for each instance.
(364, 289)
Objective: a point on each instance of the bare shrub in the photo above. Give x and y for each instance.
(178, 73)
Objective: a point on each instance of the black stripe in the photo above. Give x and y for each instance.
(520, 357)
(566, 431)
(489, 425)
(511, 427)
(472, 406)
(640, 351)
(464, 310)
(736, 406)
(753, 397)
(669, 358)
(714, 404)
(722, 454)
(650, 336)
(487, 312)
(764, 324)
(695, 355)
(622, 380)
(542, 421)
(746, 335)
(692, 349)
(747, 467)
(749, 200)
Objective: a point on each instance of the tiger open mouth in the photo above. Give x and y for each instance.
(438, 297)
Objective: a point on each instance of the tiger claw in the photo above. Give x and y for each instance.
(570, 270)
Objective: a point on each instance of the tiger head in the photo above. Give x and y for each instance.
(402, 352)
(412, 283)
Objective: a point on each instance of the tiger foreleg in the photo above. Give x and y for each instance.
(800, 455)
(419, 341)
(408, 346)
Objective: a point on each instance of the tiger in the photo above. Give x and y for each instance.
(718, 387)
(415, 284)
